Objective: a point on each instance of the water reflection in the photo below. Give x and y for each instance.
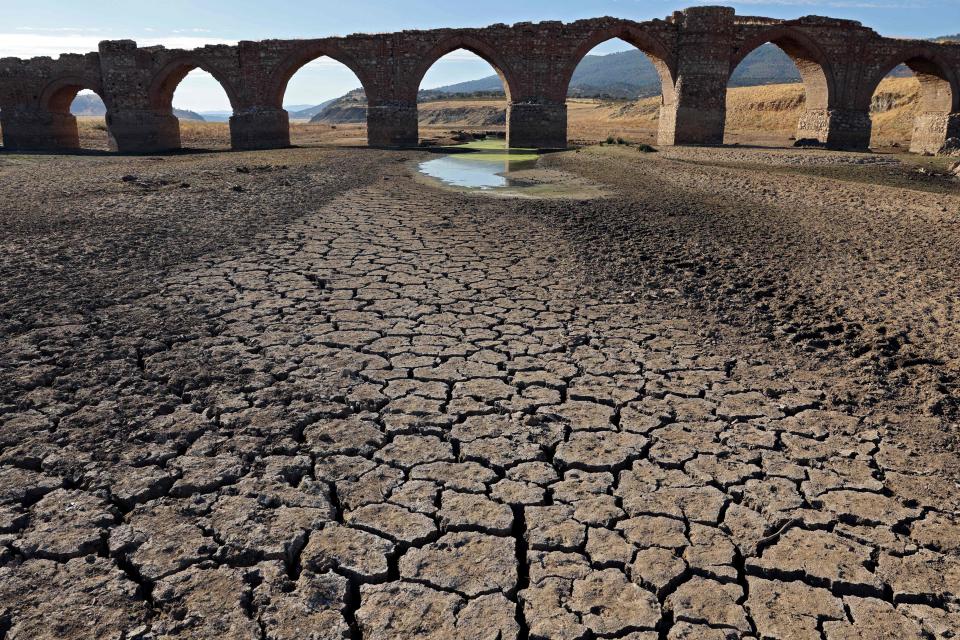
(480, 165)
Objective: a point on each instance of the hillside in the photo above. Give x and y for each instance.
(90, 104)
(305, 112)
(631, 74)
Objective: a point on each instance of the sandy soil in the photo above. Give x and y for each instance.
(291, 393)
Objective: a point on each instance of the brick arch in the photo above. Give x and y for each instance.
(280, 75)
(469, 43)
(939, 84)
(58, 94)
(661, 57)
(810, 59)
(169, 77)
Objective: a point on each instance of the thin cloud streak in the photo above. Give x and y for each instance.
(23, 44)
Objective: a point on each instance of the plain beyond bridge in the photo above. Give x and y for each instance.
(840, 61)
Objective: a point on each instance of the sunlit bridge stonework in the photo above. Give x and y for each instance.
(533, 364)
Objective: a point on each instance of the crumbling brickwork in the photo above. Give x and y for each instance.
(695, 51)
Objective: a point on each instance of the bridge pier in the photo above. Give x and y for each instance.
(144, 131)
(30, 130)
(537, 125)
(260, 128)
(847, 129)
(695, 111)
(932, 129)
(393, 125)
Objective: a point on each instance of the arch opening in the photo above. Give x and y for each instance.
(77, 116)
(617, 90)
(90, 112)
(326, 104)
(462, 95)
(911, 106)
(195, 106)
(778, 93)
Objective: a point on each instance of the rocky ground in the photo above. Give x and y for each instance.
(300, 394)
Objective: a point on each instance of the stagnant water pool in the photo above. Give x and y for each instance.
(482, 164)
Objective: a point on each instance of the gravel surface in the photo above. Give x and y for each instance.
(309, 396)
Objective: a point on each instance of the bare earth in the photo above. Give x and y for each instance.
(300, 394)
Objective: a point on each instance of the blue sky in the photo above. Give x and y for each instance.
(48, 27)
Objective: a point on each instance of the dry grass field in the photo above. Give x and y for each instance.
(766, 114)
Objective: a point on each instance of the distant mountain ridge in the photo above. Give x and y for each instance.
(631, 75)
(90, 104)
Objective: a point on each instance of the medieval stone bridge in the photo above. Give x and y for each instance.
(695, 51)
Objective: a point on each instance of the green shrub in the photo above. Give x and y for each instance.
(645, 148)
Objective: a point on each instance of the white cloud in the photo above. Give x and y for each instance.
(29, 44)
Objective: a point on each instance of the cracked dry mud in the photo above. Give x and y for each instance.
(335, 403)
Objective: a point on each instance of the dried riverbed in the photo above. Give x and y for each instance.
(273, 394)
